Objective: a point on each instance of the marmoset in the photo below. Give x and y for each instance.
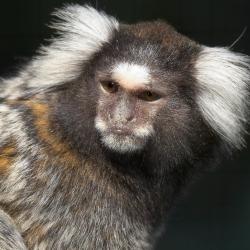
(103, 129)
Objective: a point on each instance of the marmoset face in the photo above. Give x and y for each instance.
(137, 89)
(127, 107)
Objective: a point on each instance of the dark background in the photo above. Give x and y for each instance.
(215, 215)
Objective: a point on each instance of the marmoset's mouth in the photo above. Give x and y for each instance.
(121, 142)
(123, 131)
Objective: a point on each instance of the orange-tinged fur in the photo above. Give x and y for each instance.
(7, 155)
(52, 144)
(34, 234)
(58, 150)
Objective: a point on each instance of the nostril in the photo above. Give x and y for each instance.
(130, 118)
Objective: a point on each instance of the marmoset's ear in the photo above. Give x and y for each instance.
(82, 31)
(223, 81)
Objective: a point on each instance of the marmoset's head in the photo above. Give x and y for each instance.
(148, 81)
(144, 77)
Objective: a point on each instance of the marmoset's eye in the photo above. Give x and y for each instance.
(109, 86)
(148, 96)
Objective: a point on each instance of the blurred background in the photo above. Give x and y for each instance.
(215, 214)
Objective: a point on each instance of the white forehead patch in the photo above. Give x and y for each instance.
(131, 76)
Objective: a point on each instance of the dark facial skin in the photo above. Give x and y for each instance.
(166, 99)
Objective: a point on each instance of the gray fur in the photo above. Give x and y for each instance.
(10, 237)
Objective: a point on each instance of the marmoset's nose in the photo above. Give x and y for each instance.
(124, 112)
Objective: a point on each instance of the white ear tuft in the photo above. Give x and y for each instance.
(223, 81)
(82, 31)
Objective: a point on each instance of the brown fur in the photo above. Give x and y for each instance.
(7, 157)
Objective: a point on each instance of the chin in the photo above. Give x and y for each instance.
(123, 144)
